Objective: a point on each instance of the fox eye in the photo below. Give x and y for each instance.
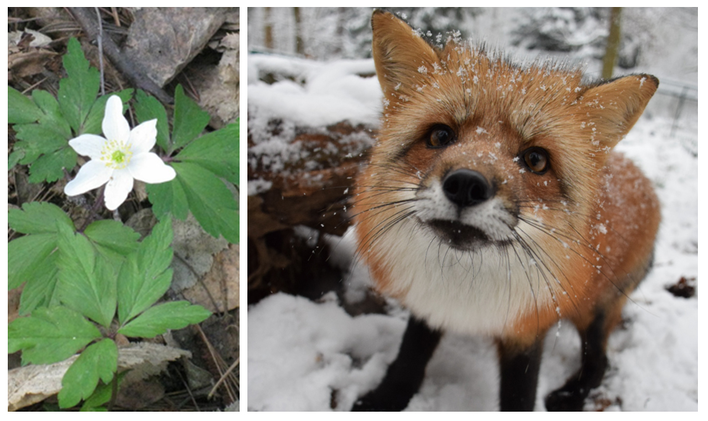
(440, 136)
(536, 160)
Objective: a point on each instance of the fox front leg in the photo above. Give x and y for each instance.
(571, 397)
(518, 367)
(405, 375)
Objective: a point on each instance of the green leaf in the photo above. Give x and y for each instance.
(189, 120)
(217, 151)
(14, 158)
(147, 108)
(146, 275)
(168, 198)
(53, 118)
(32, 258)
(37, 218)
(158, 319)
(101, 395)
(50, 167)
(20, 109)
(78, 91)
(98, 361)
(44, 145)
(210, 201)
(50, 335)
(51, 132)
(40, 290)
(112, 237)
(32, 261)
(87, 281)
(36, 139)
(208, 198)
(25, 254)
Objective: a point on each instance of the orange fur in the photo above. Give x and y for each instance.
(594, 215)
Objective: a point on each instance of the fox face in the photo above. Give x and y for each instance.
(486, 206)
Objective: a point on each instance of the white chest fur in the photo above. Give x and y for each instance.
(472, 292)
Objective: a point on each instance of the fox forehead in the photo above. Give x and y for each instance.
(471, 89)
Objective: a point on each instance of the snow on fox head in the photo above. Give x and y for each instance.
(484, 170)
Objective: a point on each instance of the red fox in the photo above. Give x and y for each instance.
(494, 205)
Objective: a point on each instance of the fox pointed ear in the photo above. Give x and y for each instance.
(616, 105)
(398, 52)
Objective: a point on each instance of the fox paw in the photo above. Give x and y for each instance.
(378, 401)
(566, 400)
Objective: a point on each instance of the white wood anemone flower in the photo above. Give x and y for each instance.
(119, 158)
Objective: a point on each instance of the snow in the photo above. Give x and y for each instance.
(306, 355)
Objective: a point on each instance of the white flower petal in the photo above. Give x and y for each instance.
(115, 126)
(88, 145)
(149, 168)
(117, 189)
(92, 175)
(143, 137)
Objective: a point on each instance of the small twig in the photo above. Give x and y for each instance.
(189, 391)
(31, 87)
(116, 19)
(99, 40)
(223, 377)
(218, 363)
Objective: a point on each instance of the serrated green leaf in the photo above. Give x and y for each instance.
(101, 395)
(32, 258)
(37, 218)
(94, 120)
(158, 319)
(53, 118)
(50, 335)
(168, 199)
(87, 281)
(37, 139)
(20, 109)
(112, 237)
(78, 91)
(40, 290)
(210, 201)
(189, 120)
(24, 254)
(98, 361)
(45, 144)
(217, 151)
(146, 276)
(32, 261)
(50, 167)
(14, 158)
(147, 108)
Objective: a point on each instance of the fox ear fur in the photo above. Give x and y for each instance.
(616, 105)
(398, 52)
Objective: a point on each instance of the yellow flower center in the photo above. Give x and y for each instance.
(116, 154)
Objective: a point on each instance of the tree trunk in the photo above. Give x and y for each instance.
(268, 28)
(299, 45)
(613, 42)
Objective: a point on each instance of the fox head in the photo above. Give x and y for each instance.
(465, 126)
(476, 153)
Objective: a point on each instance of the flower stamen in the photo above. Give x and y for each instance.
(116, 154)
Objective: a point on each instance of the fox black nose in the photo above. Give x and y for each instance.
(466, 187)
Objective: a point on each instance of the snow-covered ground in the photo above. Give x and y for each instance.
(305, 355)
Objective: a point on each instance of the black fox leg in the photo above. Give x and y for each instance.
(571, 397)
(518, 375)
(405, 375)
